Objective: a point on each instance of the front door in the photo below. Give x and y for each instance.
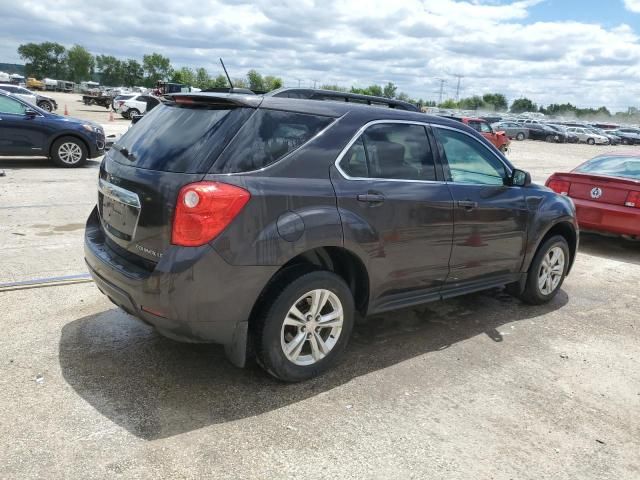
(398, 211)
(490, 218)
(20, 134)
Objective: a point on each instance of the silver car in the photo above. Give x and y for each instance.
(587, 136)
(512, 129)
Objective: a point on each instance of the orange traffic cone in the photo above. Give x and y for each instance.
(66, 111)
(111, 116)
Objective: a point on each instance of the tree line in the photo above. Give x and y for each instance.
(50, 59)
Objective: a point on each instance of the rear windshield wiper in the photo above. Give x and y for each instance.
(124, 152)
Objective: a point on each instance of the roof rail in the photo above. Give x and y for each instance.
(332, 95)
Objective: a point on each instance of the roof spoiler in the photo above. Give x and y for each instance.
(220, 100)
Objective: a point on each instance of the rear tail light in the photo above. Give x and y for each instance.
(560, 186)
(204, 210)
(633, 200)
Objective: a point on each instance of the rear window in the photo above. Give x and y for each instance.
(179, 139)
(624, 167)
(267, 137)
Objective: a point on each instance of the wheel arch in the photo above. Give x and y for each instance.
(75, 135)
(338, 260)
(564, 229)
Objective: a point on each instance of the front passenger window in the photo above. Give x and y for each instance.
(9, 105)
(469, 161)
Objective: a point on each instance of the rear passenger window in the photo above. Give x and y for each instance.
(354, 162)
(399, 151)
(267, 137)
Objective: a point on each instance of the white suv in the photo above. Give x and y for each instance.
(23, 93)
(138, 105)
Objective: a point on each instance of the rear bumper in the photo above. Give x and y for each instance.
(201, 297)
(601, 217)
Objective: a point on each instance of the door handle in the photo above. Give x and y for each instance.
(467, 204)
(371, 198)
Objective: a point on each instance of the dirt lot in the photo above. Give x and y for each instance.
(481, 387)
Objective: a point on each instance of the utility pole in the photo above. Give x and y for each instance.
(442, 82)
(459, 77)
(314, 83)
(299, 80)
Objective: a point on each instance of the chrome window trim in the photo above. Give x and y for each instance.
(362, 129)
(355, 138)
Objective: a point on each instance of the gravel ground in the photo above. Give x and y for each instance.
(480, 387)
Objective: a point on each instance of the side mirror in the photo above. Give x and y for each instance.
(520, 178)
(30, 113)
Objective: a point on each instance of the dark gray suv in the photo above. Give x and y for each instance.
(266, 224)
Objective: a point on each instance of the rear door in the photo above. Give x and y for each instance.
(490, 218)
(395, 205)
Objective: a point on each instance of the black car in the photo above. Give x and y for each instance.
(539, 131)
(628, 136)
(26, 130)
(265, 223)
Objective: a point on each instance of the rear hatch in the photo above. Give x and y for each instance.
(141, 176)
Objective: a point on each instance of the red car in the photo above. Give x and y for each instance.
(499, 139)
(606, 192)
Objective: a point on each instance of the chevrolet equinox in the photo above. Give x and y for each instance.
(267, 224)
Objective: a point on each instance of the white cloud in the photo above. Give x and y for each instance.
(492, 43)
(632, 5)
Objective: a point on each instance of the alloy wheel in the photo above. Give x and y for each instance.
(312, 327)
(551, 271)
(70, 153)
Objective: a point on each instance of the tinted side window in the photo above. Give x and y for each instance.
(9, 105)
(354, 162)
(268, 136)
(469, 161)
(399, 151)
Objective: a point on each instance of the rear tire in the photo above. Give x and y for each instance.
(550, 139)
(591, 141)
(131, 112)
(290, 341)
(547, 271)
(69, 152)
(520, 136)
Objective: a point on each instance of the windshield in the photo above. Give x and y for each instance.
(179, 139)
(624, 167)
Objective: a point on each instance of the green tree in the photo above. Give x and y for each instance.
(389, 90)
(185, 76)
(43, 59)
(496, 101)
(522, 105)
(111, 70)
(272, 83)
(156, 67)
(238, 83)
(450, 103)
(221, 81)
(132, 73)
(471, 103)
(80, 63)
(335, 88)
(202, 79)
(404, 97)
(256, 82)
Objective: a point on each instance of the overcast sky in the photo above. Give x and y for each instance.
(586, 52)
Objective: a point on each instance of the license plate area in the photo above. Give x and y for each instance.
(119, 210)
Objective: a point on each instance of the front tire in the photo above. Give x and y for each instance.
(69, 152)
(591, 141)
(547, 272)
(520, 136)
(305, 328)
(46, 106)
